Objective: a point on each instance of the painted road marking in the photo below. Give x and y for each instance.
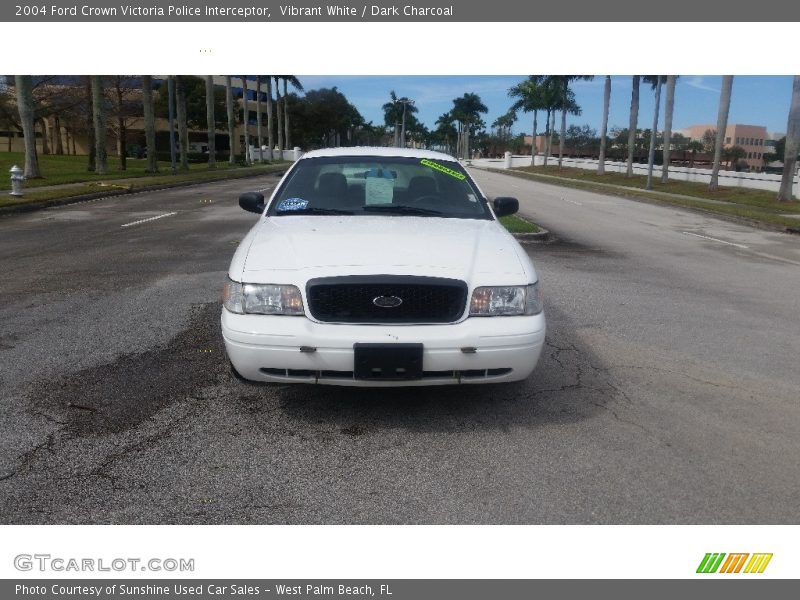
(150, 219)
(575, 202)
(705, 237)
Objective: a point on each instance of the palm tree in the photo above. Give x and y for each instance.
(277, 79)
(270, 136)
(259, 138)
(669, 108)
(445, 129)
(466, 110)
(633, 123)
(231, 119)
(567, 105)
(295, 83)
(99, 120)
(391, 115)
(529, 99)
(149, 124)
(655, 81)
(601, 163)
(24, 86)
(792, 144)
(551, 94)
(722, 125)
(211, 122)
(89, 123)
(694, 147)
(183, 127)
(246, 121)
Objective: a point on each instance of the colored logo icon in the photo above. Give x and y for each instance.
(719, 562)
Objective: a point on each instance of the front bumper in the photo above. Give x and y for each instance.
(268, 348)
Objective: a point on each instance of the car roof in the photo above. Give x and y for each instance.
(378, 151)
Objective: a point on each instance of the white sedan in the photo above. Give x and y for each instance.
(381, 267)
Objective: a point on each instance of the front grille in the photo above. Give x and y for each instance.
(351, 299)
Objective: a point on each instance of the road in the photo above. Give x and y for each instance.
(668, 392)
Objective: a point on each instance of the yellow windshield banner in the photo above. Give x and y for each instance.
(443, 169)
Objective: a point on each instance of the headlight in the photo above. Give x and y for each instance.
(262, 299)
(506, 301)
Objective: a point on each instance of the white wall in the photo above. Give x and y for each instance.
(759, 181)
(290, 155)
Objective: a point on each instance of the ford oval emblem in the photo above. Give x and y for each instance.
(387, 301)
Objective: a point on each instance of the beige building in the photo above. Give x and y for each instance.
(72, 138)
(751, 138)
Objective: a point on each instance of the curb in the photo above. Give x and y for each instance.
(623, 193)
(119, 191)
(542, 235)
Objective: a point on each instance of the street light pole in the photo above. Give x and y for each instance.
(405, 102)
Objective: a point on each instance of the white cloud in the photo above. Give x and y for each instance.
(698, 83)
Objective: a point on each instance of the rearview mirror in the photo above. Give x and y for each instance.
(504, 206)
(252, 202)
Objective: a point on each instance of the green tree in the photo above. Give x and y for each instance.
(466, 111)
(99, 119)
(24, 87)
(792, 143)
(270, 129)
(392, 113)
(231, 113)
(246, 120)
(694, 147)
(295, 83)
(669, 110)
(528, 97)
(149, 124)
(634, 122)
(567, 104)
(279, 113)
(656, 82)
(708, 140)
(722, 125)
(446, 131)
(181, 120)
(211, 123)
(601, 163)
(732, 155)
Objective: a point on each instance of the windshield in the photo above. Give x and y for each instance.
(370, 185)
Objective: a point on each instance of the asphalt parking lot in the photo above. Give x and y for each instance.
(668, 391)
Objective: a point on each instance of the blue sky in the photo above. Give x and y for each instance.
(757, 99)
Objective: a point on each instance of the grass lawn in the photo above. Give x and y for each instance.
(757, 205)
(72, 169)
(516, 224)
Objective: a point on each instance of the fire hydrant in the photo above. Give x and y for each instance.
(17, 179)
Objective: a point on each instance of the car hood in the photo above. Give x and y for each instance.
(319, 246)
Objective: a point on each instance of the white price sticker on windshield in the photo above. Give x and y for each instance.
(379, 186)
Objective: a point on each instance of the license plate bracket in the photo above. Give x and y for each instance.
(387, 362)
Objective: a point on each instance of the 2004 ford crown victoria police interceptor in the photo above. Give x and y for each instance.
(381, 267)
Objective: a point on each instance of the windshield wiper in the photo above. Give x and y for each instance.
(311, 210)
(401, 209)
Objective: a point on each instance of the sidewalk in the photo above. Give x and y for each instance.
(39, 197)
(787, 221)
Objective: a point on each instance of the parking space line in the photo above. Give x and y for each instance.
(705, 237)
(150, 219)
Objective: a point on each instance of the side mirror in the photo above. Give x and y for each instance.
(504, 206)
(252, 202)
